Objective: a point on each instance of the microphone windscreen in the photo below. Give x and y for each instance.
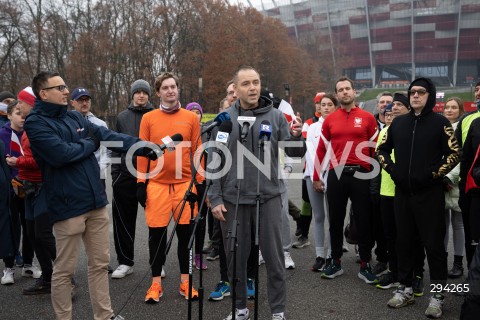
(221, 117)
(226, 126)
(177, 137)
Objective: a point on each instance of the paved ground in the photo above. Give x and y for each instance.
(309, 296)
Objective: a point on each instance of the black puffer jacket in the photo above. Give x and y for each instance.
(424, 145)
(128, 122)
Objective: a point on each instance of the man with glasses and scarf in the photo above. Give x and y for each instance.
(425, 151)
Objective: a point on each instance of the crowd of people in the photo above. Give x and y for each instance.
(406, 174)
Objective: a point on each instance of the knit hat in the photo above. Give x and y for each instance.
(195, 106)
(388, 108)
(318, 97)
(402, 99)
(5, 95)
(27, 96)
(140, 85)
(431, 89)
(80, 92)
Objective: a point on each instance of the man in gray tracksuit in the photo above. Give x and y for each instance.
(223, 192)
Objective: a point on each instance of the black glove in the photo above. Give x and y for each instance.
(447, 184)
(93, 137)
(142, 194)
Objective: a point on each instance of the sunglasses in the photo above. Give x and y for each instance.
(421, 92)
(60, 88)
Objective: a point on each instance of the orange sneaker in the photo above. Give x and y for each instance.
(154, 293)
(184, 291)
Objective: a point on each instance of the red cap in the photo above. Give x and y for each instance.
(319, 97)
(27, 95)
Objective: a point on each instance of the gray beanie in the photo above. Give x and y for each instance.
(140, 85)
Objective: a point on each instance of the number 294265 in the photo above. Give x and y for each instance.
(452, 287)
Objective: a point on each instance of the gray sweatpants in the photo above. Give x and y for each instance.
(270, 241)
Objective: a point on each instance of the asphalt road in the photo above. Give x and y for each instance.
(308, 296)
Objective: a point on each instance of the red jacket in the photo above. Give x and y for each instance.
(343, 130)
(27, 167)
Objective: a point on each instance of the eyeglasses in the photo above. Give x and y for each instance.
(60, 88)
(390, 115)
(421, 92)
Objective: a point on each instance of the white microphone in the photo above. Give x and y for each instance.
(246, 122)
(224, 132)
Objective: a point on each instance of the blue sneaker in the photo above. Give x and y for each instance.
(333, 270)
(366, 273)
(221, 290)
(250, 289)
(18, 260)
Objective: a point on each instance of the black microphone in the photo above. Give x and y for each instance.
(221, 117)
(265, 131)
(168, 142)
(246, 122)
(224, 132)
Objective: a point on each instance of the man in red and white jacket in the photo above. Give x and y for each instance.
(347, 144)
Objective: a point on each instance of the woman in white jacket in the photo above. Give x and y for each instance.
(329, 104)
(453, 110)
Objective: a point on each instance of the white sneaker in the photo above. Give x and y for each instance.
(239, 315)
(260, 258)
(289, 264)
(122, 271)
(163, 272)
(32, 271)
(8, 274)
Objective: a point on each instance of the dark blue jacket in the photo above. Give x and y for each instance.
(6, 238)
(65, 154)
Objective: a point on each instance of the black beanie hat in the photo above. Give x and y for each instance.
(402, 99)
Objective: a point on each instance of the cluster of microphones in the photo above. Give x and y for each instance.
(224, 124)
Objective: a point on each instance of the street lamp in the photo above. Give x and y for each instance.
(200, 89)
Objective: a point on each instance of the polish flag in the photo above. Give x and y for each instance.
(287, 110)
(15, 144)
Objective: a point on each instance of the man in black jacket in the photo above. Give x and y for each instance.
(124, 184)
(425, 151)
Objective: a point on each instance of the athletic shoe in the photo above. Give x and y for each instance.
(184, 291)
(260, 258)
(8, 276)
(163, 275)
(366, 274)
(434, 309)
(250, 289)
(199, 261)
(154, 293)
(39, 287)
(417, 286)
(31, 271)
(319, 264)
(402, 297)
(334, 270)
(208, 247)
(301, 242)
(289, 264)
(122, 271)
(379, 268)
(213, 255)
(328, 262)
(18, 260)
(278, 316)
(221, 290)
(387, 281)
(239, 315)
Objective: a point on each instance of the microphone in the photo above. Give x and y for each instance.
(168, 142)
(246, 122)
(265, 131)
(221, 117)
(224, 132)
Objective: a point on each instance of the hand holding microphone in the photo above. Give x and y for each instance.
(157, 150)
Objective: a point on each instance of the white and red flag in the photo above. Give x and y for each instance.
(15, 144)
